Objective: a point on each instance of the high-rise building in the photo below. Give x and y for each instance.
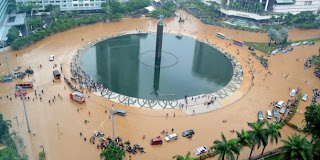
(3, 9)
(68, 5)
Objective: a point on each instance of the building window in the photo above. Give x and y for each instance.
(64, 5)
(75, 0)
(91, 0)
(80, 5)
(86, 4)
(75, 5)
(45, 1)
(51, 1)
(307, 3)
(91, 4)
(69, 5)
(57, 1)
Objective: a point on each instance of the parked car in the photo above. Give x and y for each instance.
(275, 112)
(120, 112)
(305, 97)
(200, 150)
(187, 133)
(51, 57)
(305, 42)
(311, 43)
(260, 117)
(279, 104)
(170, 137)
(290, 49)
(251, 48)
(269, 116)
(285, 51)
(283, 110)
(29, 71)
(156, 141)
(292, 93)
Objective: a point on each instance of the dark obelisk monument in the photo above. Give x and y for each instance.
(159, 40)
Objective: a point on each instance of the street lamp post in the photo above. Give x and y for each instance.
(24, 106)
(112, 112)
(42, 148)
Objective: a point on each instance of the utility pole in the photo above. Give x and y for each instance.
(112, 112)
(25, 110)
(16, 118)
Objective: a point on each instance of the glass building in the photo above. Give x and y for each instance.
(3, 9)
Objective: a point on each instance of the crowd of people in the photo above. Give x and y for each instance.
(308, 63)
(317, 72)
(315, 96)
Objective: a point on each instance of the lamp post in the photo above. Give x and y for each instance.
(112, 112)
(24, 106)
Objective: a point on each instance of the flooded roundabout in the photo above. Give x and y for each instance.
(125, 65)
(57, 125)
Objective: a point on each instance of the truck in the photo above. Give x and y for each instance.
(78, 97)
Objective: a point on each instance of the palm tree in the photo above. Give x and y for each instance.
(225, 148)
(272, 132)
(296, 148)
(258, 135)
(180, 157)
(112, 152)
(243, 140)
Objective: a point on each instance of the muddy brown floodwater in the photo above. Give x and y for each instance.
(64, 142)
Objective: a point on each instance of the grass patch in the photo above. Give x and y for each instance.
(275, 157)
(8, 153)
(263, 47)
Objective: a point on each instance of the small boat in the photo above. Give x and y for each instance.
(275, 113)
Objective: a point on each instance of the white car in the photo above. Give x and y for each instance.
(305, 97)
(279, 104)
(200, 150)
(51, 57)
(305, 42)
(292, 93)
(170, 137)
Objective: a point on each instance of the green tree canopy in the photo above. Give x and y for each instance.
(180, 157)
(4, 129)
(13, 34)
(258, 135)
(112, 152)
(312, 118)
(225, 148)
(296, 148)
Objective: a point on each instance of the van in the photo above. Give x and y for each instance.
(56, 74)
(156, 141)
(279, 104)
(269, 116)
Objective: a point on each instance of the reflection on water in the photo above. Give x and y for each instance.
(114, 63)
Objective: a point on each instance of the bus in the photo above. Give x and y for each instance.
(220, 35)
(239, 43)
(24, 84)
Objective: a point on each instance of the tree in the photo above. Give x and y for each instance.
(112, 152)
(258, 135)
(13, 34)
(312, 119)
(29, 8)
(243, 140)
(225, 149)
(272, 132)
(284, 35)
(296, 148)
(180, 157)
(272, 34)
(34, 23)
(4, 129)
